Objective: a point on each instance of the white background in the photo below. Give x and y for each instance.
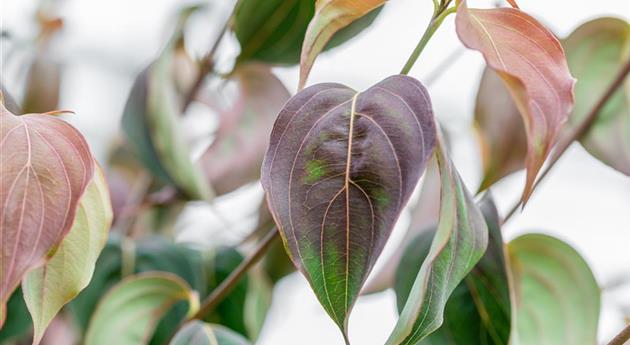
(105, 43)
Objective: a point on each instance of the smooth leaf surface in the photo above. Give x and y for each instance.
(235, 156)
(459, 243)
(272, 31)
(596, 52)
(152, 124)
(43, 85)
(130, 311)
(339, 170)
(199, 333)
(557, 299)
(531, 62)
(478, 311)
(500, 130)
(48, 288)
(18, 325)
(46, 166)
(330, 16)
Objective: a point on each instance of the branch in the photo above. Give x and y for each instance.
(580, 132)
(622, 337)
(230, 282)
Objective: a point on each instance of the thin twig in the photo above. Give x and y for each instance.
(622, 337)
(581, 131)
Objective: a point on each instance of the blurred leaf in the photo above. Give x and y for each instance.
(330, 16)
(48, 288)
(557, 297)
(273, 31)
(243, 310)
(459, 243)
(501, 131)
(18, 325)
(199, 333)
(45, 166)
(235, 156)
(596, 51)
(342, 162)
(42, 86)
(131, 309)
(478, 311)
(9, 101)
(151, 121)
(530, 61)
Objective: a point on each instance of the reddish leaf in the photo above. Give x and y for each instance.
(45, 167)
(340, 168)
(235, 156)
(531, 62)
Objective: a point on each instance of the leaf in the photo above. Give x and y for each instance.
(199, 333)
(235, 156)
(530, 61)
(48, 288)
(43, 85)
(243, 310)
(330, 16)
(45, 167)
(501, 131)
(557, 296)
(595, 52)
(272, 31)
(478, 311)
(459, 243)
(18, 325)
(424, 216)
(152, 125)
(132, 308)
(8, 101)
(342, 164)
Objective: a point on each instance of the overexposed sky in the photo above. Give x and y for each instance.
(582, 201)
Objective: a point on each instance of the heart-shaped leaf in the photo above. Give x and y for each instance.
(130, 310)
(478, 311)
(557, 299)
(48, 288)
(45, 167)
(199, 333)
(330, 17)
(151, 122)
(235, 156)
(272, 31)
(339, 170)
(459, 242)
(596, 51)
(501, 132)
(530, 61)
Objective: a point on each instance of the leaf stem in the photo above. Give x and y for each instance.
(622, 337)
(580, 132)
(235, 276)
(434, 24)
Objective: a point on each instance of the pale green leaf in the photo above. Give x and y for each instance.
(199, 333)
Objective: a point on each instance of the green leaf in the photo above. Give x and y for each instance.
(45, 166)
(48, 288)
(330, 16)
(199, 333)
(478, 311)
(596, 52)
(130, 310)
(557, 297)
(272, 31)
(502, 135)
(530, 61)
(459, 243)
(18, 325)
(151, 122)
(237, 152)
(342, 164)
